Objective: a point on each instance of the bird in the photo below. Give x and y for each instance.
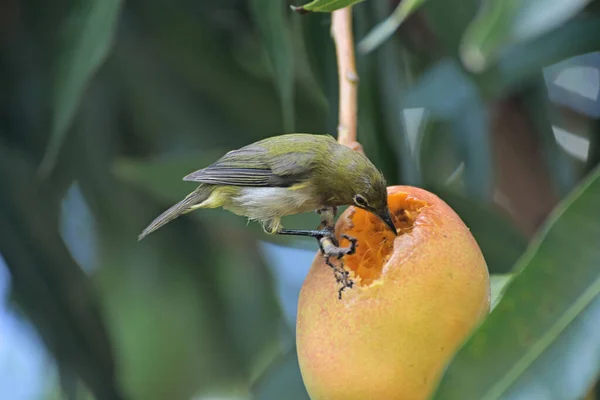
(285, 175)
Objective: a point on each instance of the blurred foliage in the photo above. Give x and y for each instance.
(84, 40)
(386, 28)
(502, 22)
(325, 5)
(116, 101)
(550, 311)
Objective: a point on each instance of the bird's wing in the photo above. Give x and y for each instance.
(254, 165)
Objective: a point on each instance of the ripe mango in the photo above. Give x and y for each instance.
(416, 297)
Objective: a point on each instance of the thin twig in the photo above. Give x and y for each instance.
(341, 31)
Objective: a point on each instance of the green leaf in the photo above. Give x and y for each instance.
(387, 28)
(522, 62)
(446, 76)
(498, 283)
(503, 22)
(440, 164)
(325, 5)
(449, 30)
(269, 16)
(84, 42)
(470, 130)
(320, 54)
(542, 340)
(462, 108)
(212, 80)
(395, 77)
(375, 137)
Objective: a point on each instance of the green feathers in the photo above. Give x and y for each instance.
(283, 175)
(274, 162)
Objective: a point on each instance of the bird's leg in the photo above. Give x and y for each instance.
(327, 241)
(329, 245)
(315, 233)
(327, 215)
(325, 234)
(273, 227)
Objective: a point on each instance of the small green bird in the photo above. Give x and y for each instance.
(286, 175)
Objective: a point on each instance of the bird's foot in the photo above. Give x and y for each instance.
(330, 247)
(341, 276)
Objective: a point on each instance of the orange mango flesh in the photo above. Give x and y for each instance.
(375, 238)
(416, 297)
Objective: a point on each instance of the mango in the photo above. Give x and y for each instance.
(415, 298)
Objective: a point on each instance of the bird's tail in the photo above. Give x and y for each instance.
(189, 203)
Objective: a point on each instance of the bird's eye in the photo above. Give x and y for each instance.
(360, 201)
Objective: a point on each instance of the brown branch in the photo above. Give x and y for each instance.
(341, 31)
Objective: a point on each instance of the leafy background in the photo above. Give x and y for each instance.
(106, 104)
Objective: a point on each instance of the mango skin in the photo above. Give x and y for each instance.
(393, 339)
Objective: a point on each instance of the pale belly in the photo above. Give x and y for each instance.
(264, 204)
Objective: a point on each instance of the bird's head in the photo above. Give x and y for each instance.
(370, 194)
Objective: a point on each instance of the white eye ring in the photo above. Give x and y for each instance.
(360, 201)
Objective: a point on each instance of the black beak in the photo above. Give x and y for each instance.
(387, 219)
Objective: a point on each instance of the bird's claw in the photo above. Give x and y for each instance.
(330, 250)
(330, 247)
(341, 276)
(353, 244)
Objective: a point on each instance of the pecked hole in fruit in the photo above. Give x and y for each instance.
(375, 240)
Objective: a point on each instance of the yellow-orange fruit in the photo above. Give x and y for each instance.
(415, 299)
